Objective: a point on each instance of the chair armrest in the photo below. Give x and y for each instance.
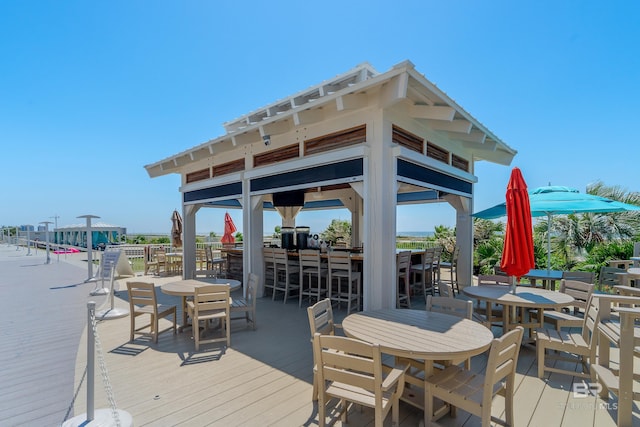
(395, 375)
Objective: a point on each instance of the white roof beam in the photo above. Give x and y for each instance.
(461, 126)
(395, 90)
(307, 117)
(475, 136)
(277, 127)
(351, 102)
(432, 112)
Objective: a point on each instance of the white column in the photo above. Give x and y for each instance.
(189, 240)
(253, 230)
(89, 245)
(379, 284)
(464, 237)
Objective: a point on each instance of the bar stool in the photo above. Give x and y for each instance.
(403, 269)
(269, 270)
(453, 270)
(339, 269)
(312, 269)
(425, 270)
(283, 272)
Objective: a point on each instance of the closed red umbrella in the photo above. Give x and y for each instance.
(229, 229)
(517, 253)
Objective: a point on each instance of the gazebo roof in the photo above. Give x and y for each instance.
(402, 83)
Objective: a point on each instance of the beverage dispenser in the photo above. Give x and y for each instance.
(287, 238)
(302, 237)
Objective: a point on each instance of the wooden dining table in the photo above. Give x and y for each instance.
(525, 297)
(421, 335)
(187, 288)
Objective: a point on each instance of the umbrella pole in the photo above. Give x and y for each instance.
(548, 242)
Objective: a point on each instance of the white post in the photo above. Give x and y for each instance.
(28, 242)
(89, 246)
(46, 236)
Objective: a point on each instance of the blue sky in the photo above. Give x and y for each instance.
(90, 92)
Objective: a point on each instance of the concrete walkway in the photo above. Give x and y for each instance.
(44, 313)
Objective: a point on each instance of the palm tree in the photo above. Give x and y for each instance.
(577, 234)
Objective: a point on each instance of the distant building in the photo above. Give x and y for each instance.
(101, 234)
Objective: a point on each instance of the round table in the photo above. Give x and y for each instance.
(187, 288)
(525, 297)
(419, 334)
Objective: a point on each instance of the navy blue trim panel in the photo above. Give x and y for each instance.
(429, 176)
(226, 190)
(327, 172)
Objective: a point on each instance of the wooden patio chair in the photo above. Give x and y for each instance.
(621, 332)
(210, 302)
(247, 305)
(351, 371)
(474, 392)
(581, 292)
(142, 301)
(580, 347)
(320, 321)
(491, 314)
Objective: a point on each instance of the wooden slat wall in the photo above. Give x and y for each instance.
(407, 139)
(230, 167)
(198, 175)
(277, 155)
(460, 163)
(344, 138)
(438, 153)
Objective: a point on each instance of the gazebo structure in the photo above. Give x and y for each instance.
(363, 140)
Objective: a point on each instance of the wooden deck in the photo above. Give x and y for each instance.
(264, 378)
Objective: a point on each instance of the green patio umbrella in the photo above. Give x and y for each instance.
(558, 200)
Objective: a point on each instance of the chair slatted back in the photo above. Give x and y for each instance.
(340, 261)
(610, 276)
(321, 318)
(349, 361)
(142, 293)
(211, 298)
(580, 291)
(309, 258)
(591, 320)
(403, 264)
(455, 307)
(503, 358)
(581, 276)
